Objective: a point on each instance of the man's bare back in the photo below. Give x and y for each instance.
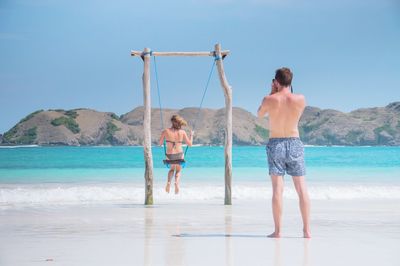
(284, 110)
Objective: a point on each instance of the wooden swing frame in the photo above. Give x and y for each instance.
(227, 89)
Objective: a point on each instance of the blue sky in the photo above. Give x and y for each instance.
(66, 54)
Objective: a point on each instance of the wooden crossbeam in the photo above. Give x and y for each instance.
(212, 53)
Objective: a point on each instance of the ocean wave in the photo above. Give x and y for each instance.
(65, 194)
(19, 146)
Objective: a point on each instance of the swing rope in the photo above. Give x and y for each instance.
(159, 101)
(202, 99)
(201, 102)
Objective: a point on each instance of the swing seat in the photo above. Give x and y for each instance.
(181, 162)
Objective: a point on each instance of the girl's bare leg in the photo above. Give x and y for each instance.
(178, 169)
(170, 175)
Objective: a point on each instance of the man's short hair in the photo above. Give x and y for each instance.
(284, 76)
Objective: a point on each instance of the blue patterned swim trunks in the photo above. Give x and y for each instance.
(286, 155)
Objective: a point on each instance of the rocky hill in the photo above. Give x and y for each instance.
(372, 126)
(368, 126)
(90, 127)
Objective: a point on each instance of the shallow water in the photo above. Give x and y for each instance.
(87, 174)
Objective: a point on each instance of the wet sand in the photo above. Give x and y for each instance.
(344, 232)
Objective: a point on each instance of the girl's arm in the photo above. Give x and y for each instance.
(161, 141)
(189, 141)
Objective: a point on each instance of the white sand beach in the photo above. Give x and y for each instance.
(344, 232)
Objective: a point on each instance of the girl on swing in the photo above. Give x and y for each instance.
(174, 136)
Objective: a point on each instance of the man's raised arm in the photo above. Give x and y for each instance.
(263, 109)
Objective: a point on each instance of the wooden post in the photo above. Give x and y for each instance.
(148, 157)
(228, 129)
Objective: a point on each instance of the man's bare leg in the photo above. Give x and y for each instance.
(304, 200)
(178, 169)
(277, 192)
(170, 175)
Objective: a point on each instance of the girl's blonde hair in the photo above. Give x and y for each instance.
(178, 122)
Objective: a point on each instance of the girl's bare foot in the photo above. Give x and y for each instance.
(275, 235)
(176, 188)
(306, 234)
(168, 187)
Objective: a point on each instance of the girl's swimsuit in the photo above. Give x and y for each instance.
(174, 157)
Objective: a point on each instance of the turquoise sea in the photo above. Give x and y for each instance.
(86, 174)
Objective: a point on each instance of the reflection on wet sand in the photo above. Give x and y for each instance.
(305, 254)
(278, 254)
(148, 228)
(175, 248)
(175, 245)
(228, 232)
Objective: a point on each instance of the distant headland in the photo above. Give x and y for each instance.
(367, 126)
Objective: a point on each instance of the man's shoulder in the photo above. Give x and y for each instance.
(298, 97)
(292, 96)
(270, 100)
(266, 99)
(299, 100)
(272, 97)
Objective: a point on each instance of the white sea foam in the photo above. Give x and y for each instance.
(19, 146)
(64, 194)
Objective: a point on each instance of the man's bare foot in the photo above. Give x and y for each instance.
(176, 188)
(306, 234)
(274, 235)
(168, 187)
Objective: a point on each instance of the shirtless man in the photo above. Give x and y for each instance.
(285, 150)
